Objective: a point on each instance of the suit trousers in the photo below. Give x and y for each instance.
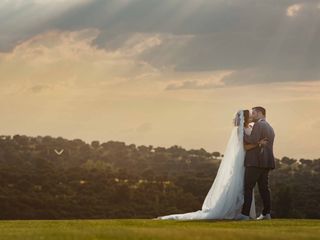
(252, 176)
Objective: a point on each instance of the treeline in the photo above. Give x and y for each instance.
(57, 178)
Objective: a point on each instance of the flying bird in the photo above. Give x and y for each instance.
(59, 152)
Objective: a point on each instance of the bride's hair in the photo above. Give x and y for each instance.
(246, 115)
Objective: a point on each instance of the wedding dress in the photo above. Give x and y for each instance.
(225, 197)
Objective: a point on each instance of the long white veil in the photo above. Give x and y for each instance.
(225, 197)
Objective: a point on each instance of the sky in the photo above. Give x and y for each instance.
(161, 72)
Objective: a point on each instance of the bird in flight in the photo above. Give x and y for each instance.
(59, 152)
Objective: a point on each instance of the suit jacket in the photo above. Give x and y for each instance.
(261, 157)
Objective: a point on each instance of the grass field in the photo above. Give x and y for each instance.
(114, 229)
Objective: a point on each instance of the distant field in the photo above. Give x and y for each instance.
(158, 229)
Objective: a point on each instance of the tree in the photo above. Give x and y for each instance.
(216, 154)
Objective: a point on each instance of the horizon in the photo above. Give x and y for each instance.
(137, 145)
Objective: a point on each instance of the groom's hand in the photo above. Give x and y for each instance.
(263, 142)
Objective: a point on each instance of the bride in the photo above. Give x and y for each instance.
(225, 197)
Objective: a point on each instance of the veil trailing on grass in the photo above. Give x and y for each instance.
(225, 197)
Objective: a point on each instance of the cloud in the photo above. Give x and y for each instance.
(191, 85)
(210, 81)
(259, 41)
(293, 10)
(22, 19)
(39, 88)
(67, 63)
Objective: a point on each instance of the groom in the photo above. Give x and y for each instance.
(258, 162)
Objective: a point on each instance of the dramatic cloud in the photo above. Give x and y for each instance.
(58, 58)
(293, 10)
(22, 19)
(259, 41)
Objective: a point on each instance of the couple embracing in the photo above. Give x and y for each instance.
(247, 161)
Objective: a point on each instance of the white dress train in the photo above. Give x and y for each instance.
(226, 195)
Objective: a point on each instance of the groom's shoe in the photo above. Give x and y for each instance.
(264, 217)
(243, 217)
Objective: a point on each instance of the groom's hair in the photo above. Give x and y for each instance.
(260, 109)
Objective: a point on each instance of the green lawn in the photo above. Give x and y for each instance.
(114, 229)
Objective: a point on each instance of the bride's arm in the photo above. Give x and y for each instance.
(251, 146)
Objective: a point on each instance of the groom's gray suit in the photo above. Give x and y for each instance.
(258, 161)
(260, 157)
